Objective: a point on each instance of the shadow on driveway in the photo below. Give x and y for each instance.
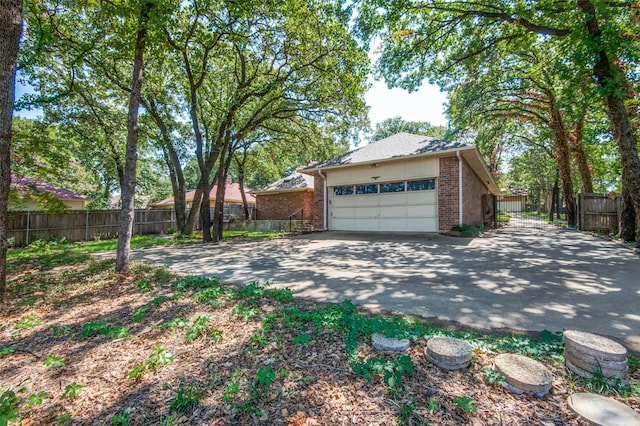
(524, 279)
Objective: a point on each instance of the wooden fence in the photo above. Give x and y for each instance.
(83, 225)
(598, 212)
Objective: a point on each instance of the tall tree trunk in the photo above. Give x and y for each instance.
(205, 210)
(611, 78)
(172, 159)
(628, 219)
(129, 188)
(193, 212)
(577, 147)
(241, 164)
(10, 32)
(218, 213)
(561, 150)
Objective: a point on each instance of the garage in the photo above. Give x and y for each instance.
(387, 206)
(403, 183)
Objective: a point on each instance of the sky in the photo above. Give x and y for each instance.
(425, 104)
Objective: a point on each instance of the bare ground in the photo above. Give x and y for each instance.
(311, 382)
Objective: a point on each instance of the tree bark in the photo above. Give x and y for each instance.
(10, 32)
(127, 211)
(628, 217)
(577, 147)
(611, 78)
(223, 172)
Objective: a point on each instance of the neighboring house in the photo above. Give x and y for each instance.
(290, 197)
(34, 192)
(405, 182)
(233, 205)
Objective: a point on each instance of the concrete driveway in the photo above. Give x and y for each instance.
(526, 279)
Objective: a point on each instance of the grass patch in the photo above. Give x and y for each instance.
(252, 235)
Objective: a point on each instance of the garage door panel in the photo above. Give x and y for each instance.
(391, 199)
(427, 210)
(370, 224)
(393, 211)
(388, 224)
(338, 202)
(422, 224)
(342, 212)
(339, 224)
(366, 201)
(362, 213)
(421, 197)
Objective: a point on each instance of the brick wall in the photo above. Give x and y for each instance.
(448, 195)
(318, 202)
(279, 206)
(472, 191)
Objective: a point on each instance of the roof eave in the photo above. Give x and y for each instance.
(443, 153)
(279, 191)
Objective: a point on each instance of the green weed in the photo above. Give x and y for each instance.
(466, 404)
(245, 312)
(26, 322)
(72, 390)
(101, 328)
(197, 329)
(4, 351)
(121, 419)
(393, 370)
(233, 387)
(301, 339)
(64, 419)
(144, 285)
(494, 377)
(9, 403)
(159, 358)
(176, 323)
(61, 330)
(36, 399)
(185, 399)
(53, 361)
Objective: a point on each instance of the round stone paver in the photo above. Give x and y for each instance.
(596, 346)
(448, 353)
(524, 374)
(383, 343)
(611, 369)
(603, 411)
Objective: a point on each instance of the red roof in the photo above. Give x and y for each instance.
(232, 194)
(25, 183)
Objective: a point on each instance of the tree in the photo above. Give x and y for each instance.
(10, 32)
(394, 125)
(448, 41)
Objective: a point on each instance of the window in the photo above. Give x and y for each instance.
(366, 189)
(421, 185)
(392, 187)
(343, 190)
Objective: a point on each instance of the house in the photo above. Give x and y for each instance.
(290, 197)
(233, 204)
(33, 194)
(403, 183)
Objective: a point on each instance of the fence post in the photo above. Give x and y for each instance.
(26, 240)
(581, 211)
(86, 225)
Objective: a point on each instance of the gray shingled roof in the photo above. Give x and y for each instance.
(398, 145)
(295, 181)
(24, 183)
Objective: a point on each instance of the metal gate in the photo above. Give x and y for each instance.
(530, 210)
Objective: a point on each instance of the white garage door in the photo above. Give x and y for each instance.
(389, 206)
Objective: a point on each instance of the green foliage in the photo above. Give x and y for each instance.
(194, 283)
(6, 350)
(62, 330)
(469, 231)
(393, 370)
(494, 377)
(53, 361)
(9, 403)
(394, 125)
(433, 405)
(144, 285)
(265, 376)
(197, 329)
(72, 390)
(138, 314)
(185, 400)
(176, 323)
(466, 404)
(208, 295)
(233, 387)
(407, 414)
(245, 312)
(101, 328)
(301, 339)
(159, 358)
(121, 419)
(549, 345)
(37, 398)
(27, 321)
(64, 419)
